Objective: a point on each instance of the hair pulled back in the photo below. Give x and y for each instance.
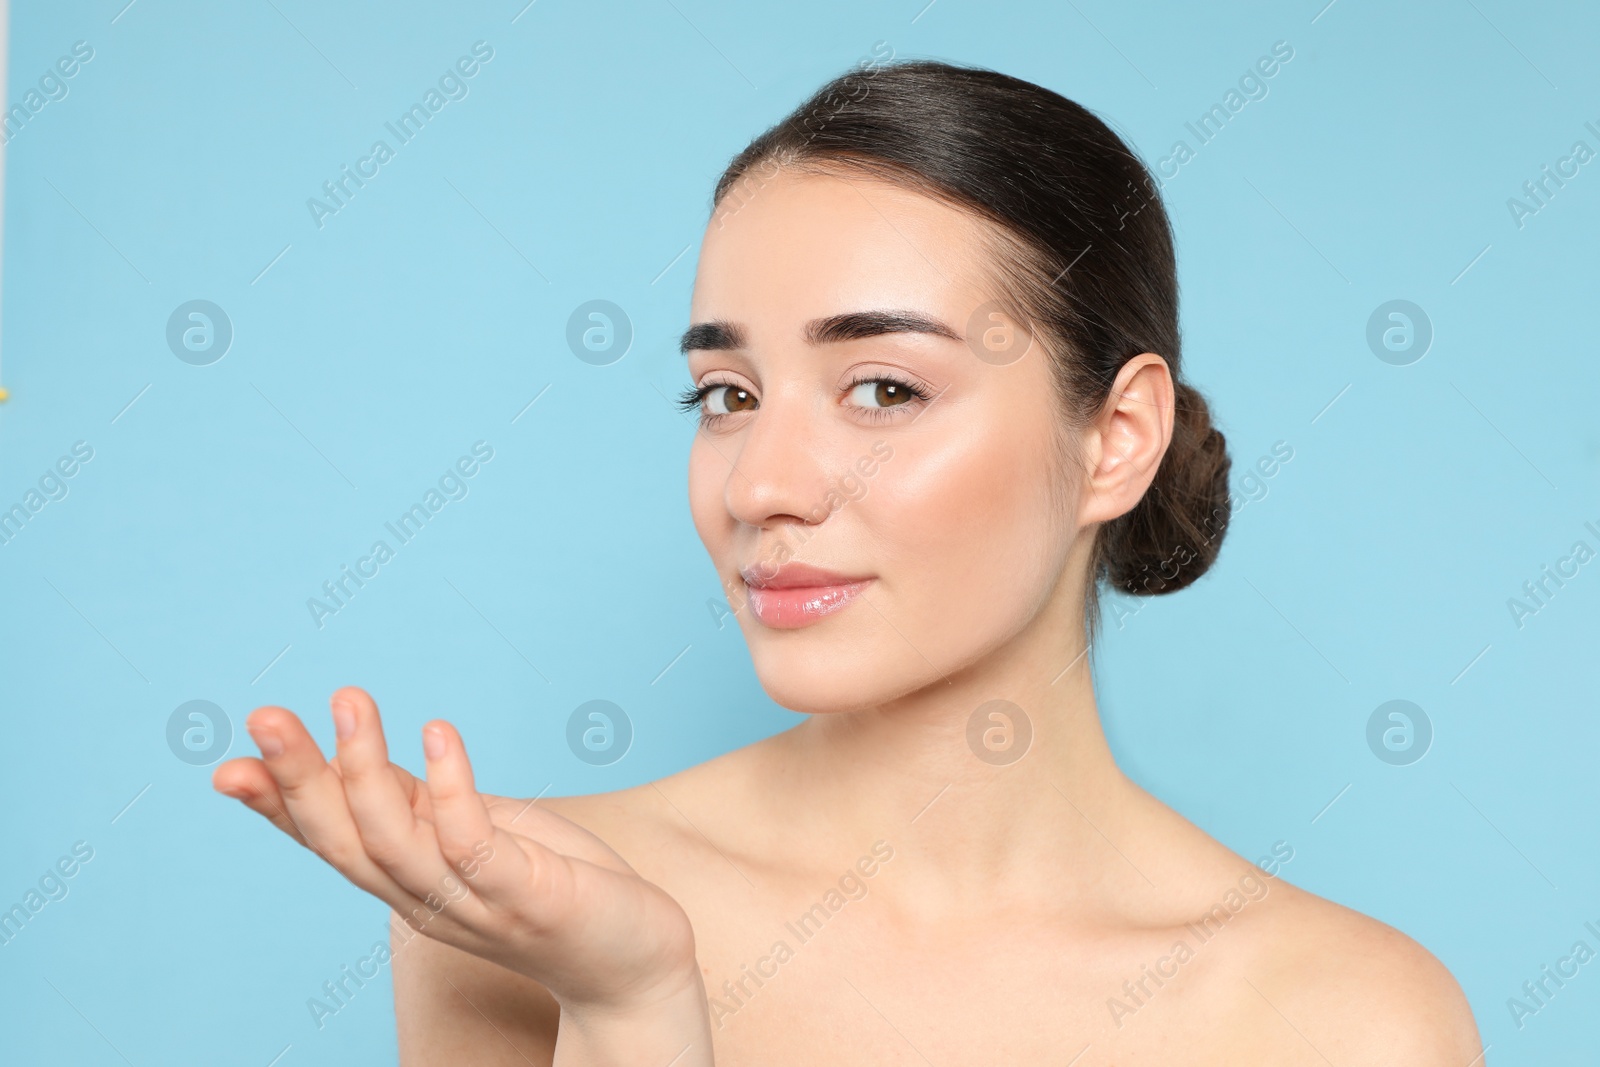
(1081, 247)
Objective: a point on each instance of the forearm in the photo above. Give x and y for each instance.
(674, 1031)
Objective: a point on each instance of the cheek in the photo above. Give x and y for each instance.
(971, 526)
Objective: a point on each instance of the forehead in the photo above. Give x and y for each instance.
(797, 245)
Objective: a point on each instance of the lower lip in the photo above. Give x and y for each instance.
(790, 609)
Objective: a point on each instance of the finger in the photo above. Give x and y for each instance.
(378, 802)
(313, 796)
(414, 789)
(487, 857)
(247, 780)
(532, 819)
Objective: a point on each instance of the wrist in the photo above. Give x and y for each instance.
(672, 1027)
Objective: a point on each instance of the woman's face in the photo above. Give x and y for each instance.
(917, 473)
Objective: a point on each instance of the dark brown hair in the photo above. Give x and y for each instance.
(1082, 250)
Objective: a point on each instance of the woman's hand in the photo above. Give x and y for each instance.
(497, 877)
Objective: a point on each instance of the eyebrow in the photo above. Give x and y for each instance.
(720, 334)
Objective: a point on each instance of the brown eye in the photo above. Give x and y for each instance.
(880, 393)
(727, 399)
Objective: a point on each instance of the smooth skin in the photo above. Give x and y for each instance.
(1019, 900)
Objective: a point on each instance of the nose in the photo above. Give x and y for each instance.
(779, 473)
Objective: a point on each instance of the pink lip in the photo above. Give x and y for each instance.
(798, 594)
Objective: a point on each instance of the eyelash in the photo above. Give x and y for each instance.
(693, 398)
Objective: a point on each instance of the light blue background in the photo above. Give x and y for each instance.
(431, 310)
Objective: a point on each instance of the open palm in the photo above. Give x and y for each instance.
(498, 877)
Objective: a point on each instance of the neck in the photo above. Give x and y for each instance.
(993, 780)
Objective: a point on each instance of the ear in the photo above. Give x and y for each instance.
(1130, 435)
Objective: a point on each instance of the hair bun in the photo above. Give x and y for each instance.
(1172, 536)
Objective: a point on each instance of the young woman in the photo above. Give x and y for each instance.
(934, 347)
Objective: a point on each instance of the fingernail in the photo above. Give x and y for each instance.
(268, 742)
(237, 794)
(433, 742)
(344, 721)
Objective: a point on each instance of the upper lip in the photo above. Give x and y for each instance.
(794, 575)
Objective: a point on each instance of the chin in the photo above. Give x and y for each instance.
(835, 665)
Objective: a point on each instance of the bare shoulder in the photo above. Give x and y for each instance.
(1304, 979)
(1358, 990)
(664, 828)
